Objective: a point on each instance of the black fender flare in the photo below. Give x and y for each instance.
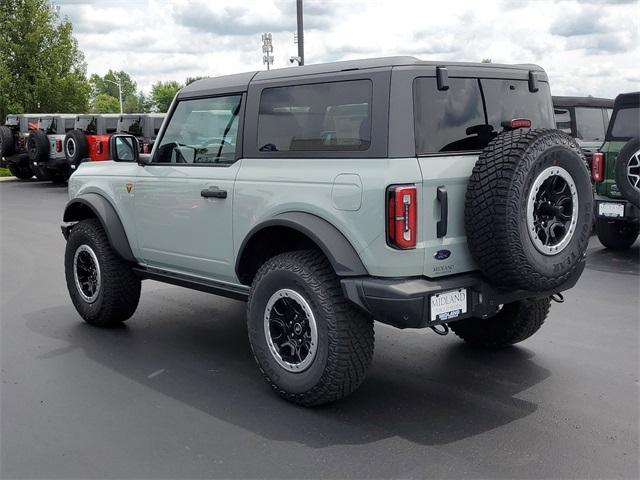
(343, 257)
(108, 217)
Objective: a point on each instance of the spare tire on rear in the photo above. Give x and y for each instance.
(76, 147)
(529, 209)
(6, 141)
(627, 172)
(38, 147)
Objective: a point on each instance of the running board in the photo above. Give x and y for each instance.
(180, 280)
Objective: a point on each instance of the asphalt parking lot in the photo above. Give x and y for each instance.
(176, 394)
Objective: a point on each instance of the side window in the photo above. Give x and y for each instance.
(333, 116)
(448, 120)
(157, 123)
(68, 124)
(589, 124)
(626, 123)
(563, 119)
(111, 124)
(201, 131)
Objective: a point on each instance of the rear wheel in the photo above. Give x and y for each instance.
(22, 172)
(6, 141)
(311, 344)
(617, 235)
(38, 147)
(514, 323)
(102, 286)
(41, 172)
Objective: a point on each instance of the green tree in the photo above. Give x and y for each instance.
(162, 94)
(41, 66)
(104, 103)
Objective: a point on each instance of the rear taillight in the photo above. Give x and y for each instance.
(402, 222)
(99, 146)
(597, 167)
(58, 145)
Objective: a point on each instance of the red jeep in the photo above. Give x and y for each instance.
(90, 138)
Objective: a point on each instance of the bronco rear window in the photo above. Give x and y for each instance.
(132, 126)
(626, 124)
(468, 115)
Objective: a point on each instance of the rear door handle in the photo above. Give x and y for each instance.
(441, 226)
(213, 192)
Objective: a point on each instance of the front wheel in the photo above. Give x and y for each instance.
(514, 323)
(617, 235)
(311, 344)
(102, 286)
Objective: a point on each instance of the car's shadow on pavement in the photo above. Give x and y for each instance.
(196, 351)
(626, 262)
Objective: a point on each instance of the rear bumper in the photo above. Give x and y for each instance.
(406, 303)
(631, 212)
(19, 159)
(54, 162)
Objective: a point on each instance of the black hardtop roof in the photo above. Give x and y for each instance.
(559, 101)
(626, 100)
(240, 81)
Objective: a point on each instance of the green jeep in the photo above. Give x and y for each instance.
(418, 194)
(616, 173)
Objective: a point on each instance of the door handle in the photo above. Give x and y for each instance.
(441, 226)
(213, 192)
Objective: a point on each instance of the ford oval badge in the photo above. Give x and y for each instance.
(442, 254)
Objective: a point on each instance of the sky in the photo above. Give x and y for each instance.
(588, 47)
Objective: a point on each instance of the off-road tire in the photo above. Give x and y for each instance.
(20, 171)
(345, 335)
(629, 153)
(41, 172)
(496, 209)
(514, 323)
(119, 291)
(6, 141)
(617, 234)
(38, 147)
(59, 175)
(80, 150)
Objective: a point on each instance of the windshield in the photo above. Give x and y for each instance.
(468, 115)
(626, 124)
(132, 125)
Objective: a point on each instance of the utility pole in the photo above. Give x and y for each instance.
(300, 32)
(267, 49)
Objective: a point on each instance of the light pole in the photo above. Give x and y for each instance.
(119, 84)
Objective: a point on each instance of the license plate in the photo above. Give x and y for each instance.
(448, 305)
(611, 209)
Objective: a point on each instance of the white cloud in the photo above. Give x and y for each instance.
(587, 47)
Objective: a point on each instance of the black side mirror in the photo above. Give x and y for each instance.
(123, 148)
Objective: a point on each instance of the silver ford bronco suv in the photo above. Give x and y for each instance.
(414, 193)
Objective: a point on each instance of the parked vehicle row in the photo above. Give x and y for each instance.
(51, 146)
